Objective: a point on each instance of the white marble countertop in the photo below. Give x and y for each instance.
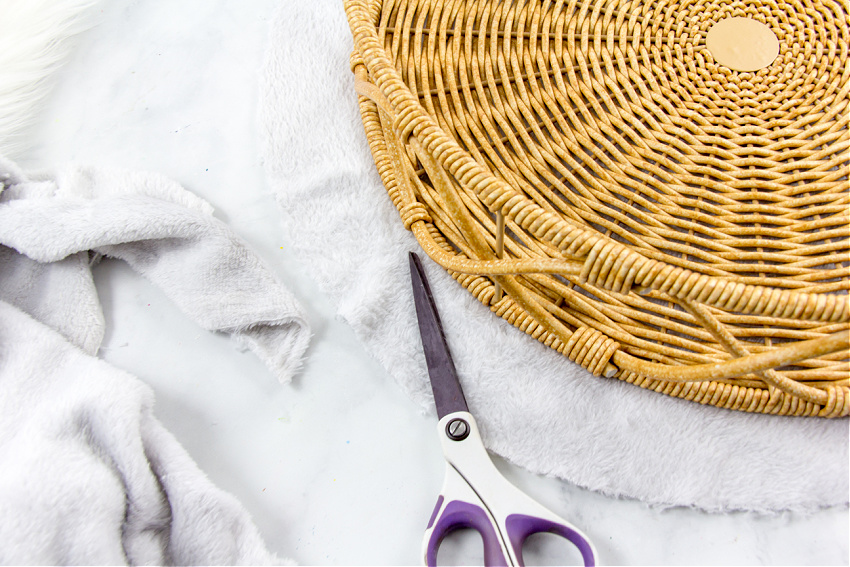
(338, 467)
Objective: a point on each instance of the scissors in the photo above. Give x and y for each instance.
(474, 494)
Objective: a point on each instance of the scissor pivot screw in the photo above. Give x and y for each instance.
(457, 429)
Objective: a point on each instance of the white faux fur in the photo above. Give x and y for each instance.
(534, 406)
(35, 38)
(89, 475)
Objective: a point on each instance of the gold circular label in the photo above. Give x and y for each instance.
(742, 44)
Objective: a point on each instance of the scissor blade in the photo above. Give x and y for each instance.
(448, 395)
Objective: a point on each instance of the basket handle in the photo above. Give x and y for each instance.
(753, 363)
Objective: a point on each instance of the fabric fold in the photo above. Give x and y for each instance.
(91, 476)
(163, 232)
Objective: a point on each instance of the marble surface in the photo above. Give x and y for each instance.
(338, 467)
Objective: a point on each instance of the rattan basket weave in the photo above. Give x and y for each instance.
(595, 176)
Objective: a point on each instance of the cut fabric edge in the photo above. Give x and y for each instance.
(302, 165)
(281, 345)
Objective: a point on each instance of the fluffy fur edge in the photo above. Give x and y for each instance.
(35, 39)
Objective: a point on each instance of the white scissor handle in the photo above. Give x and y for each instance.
(476, 495)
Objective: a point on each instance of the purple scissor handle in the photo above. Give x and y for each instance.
(475, 495)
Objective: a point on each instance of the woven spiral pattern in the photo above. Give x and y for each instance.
(589, 171)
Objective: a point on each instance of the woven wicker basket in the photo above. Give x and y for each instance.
(600, 178)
